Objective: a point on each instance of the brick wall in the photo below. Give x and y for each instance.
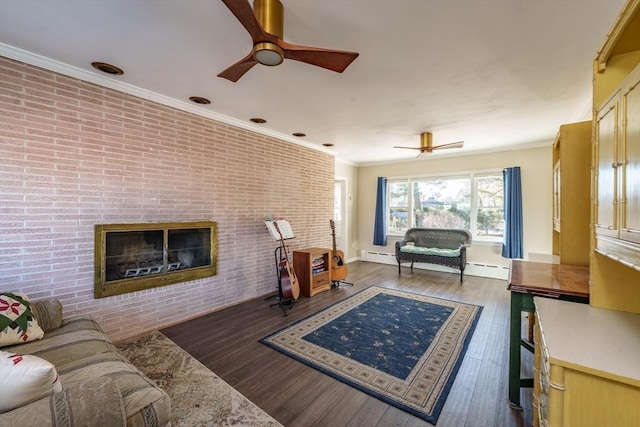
(74, 154)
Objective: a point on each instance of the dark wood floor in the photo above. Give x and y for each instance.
(296, 395)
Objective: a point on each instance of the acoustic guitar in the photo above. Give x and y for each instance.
(338, 267)
(289, 286)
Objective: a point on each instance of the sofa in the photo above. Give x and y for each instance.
(92, 383)
(446, 247)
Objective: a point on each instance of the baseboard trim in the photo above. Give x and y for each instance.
(490, 271)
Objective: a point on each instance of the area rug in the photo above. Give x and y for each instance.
(198, 396)
(399, 347)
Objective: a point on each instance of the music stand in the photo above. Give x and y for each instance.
(282, 302)
(287, 233)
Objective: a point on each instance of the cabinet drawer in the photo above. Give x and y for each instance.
(321, 280)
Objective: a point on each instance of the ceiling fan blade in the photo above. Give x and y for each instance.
(458, 144)
(409, 148)
(243, 12)
(334, 60)
(237, 70)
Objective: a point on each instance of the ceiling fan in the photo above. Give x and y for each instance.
(426, 144)
(265, 25)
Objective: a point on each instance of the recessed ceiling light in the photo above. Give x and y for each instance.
(328, 144)
(299, 134)
(258, 120)
(107, 68)
(199, 100)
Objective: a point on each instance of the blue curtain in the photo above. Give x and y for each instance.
(512, 240)
(380, 225)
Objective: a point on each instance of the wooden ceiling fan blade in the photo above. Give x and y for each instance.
(334, 60)
(409, 148)
(458, 144)
(237, 70)
(243, 12)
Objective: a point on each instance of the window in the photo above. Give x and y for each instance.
(472, 201)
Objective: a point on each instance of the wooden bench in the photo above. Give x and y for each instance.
(446, 247)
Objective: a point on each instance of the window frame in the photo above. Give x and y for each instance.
(473, 212)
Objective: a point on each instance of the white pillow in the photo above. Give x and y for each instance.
(25, 379)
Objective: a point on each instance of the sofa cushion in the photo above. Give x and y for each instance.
(25, 379)
(48, 313)
(430, 251)
(17, 322)
(94, 402)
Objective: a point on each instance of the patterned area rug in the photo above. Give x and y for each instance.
(198, 396)
(399, 347)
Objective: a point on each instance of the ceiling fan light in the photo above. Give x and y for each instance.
(268, 54)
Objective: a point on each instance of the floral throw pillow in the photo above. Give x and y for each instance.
(17, 322)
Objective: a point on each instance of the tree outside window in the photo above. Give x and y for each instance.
(490, 210)
(442, 203)
(398, 203)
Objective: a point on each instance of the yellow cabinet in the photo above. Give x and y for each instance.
(571, 193)
(586, 370)
(617, 174)
(615, 216)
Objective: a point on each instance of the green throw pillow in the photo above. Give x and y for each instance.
(17, 322)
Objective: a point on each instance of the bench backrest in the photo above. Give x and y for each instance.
(438, 238)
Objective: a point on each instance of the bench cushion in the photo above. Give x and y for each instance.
(430, 251)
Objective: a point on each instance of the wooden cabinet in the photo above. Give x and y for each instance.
(313, 269)
(617, 174)
(571, 193)
(585, 365)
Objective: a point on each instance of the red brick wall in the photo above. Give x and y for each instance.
(73, 154)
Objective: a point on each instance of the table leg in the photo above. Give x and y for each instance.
(514, 348)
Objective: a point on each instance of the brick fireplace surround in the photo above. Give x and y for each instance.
(74, 154)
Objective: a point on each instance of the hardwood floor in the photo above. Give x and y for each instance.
(296, 395)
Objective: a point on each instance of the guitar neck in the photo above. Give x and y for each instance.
(333, 235)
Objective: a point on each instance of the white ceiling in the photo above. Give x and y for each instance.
(494, 73)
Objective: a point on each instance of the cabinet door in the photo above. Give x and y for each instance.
(629, 168)
(606, 172)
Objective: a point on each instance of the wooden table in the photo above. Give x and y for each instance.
(529, 279)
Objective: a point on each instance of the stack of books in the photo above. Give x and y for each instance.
(317, 265)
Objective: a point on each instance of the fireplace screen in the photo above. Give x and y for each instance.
(131, 257)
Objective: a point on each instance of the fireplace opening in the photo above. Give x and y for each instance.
(138, 256)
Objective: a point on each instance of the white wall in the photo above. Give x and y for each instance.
(350, 173)
(536, 169)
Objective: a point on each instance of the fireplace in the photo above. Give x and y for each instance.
(131, 257)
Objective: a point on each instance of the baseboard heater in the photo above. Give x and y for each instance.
(491, 271)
